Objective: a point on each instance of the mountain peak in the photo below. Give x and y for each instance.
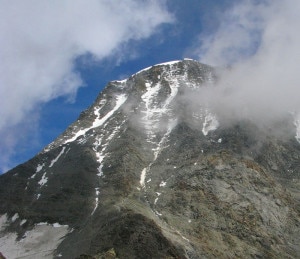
(146, 172)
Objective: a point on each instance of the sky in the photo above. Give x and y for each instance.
(56, 56)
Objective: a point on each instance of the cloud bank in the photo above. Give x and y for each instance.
(40, 40)
(260, 42)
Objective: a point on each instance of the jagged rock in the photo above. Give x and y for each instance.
(147, 172)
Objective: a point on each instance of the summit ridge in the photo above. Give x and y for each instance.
(150, 171)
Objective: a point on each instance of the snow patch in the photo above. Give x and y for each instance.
(42, 223)
(102, 153)
(157, 213)
(120, 99)
(56, 159)
(219, 140)
(297, 124)
(210, 123)
(143, 70)
(40, 242)
(39, 167)
(44, 180)
(96, 200)
(169, 63)
(143, 177)
(14, 218)
(3, 222)
(162, 184)
(57, 225)
(151, 110)
(164, 139)
(23, 222)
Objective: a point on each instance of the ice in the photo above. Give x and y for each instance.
(56, 159)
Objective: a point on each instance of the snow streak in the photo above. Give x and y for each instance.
(210, 123)
(120, 99)
(56, 159)
(154, 112)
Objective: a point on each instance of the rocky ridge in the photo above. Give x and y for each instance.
(144, 173)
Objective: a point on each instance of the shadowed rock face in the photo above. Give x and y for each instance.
(147, 173)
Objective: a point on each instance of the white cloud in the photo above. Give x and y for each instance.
(260, 40)
(39, 41)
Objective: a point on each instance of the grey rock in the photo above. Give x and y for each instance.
(144, 177)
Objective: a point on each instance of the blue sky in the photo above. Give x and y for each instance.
(56, 56)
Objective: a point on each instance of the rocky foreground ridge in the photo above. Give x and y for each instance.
(147, 173)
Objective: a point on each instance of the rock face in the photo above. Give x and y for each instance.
(145, 173)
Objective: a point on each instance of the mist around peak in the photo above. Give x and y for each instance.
(258, 44)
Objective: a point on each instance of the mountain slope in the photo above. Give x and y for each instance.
(146, 173)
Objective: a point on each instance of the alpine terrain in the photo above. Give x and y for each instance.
(148, 172)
